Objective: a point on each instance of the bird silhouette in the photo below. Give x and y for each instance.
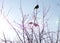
(36, 7)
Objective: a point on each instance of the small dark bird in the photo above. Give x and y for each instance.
(36, 7)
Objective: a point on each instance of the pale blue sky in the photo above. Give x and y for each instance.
(28, 6)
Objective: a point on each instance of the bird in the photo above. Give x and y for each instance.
(36, 7)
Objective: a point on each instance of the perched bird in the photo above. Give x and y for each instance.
(36, 7)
